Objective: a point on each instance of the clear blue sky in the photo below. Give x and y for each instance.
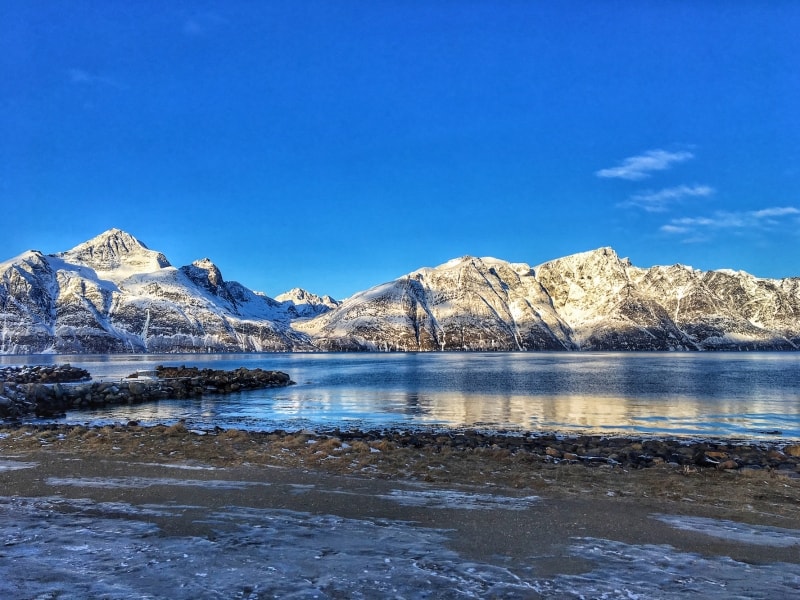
(337, 145)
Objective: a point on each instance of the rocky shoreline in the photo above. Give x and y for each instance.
(597, 450)
(387, 447)
(48, 391)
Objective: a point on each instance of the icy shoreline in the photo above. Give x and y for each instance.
(76, 526)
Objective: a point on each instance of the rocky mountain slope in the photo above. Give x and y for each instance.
(467, 303)
(113, 294)
(588, 301)
(610, 304)
(301, 304)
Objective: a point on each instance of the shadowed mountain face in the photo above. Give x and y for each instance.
(113, 294)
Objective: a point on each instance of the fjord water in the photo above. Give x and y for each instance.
(741, 395)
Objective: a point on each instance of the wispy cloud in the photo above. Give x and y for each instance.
(754, 220)
(659, 201)
(635, 168)
(775, 212)
(83, 77)
(201, 23)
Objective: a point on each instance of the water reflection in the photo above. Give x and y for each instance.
(675, 394)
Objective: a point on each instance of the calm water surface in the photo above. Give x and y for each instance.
(676, 394)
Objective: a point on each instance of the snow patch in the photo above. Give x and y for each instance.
(741, 533)
(147, 482)
(14, 465)
(451, 499)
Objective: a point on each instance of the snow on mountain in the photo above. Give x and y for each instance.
(464, 304)
(590, 301)
(301, 304)
(115, 255)
(113, 294)
(595, 294)
(611, 305)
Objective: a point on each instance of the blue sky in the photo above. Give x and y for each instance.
(337, 145)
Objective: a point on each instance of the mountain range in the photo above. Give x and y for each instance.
(112, 294)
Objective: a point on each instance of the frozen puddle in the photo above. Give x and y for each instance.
(458, 500)
(56, 551)
(90, 507)
(71, 549)
(146, 482)
(659, 571)
(737, 532)
(181, 466)
(15, 465)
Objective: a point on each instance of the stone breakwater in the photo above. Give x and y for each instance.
(22, 394)
(43, 374)
(19, 384)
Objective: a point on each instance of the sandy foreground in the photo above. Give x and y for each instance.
(163, 512)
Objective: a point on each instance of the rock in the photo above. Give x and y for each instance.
(137, 388)
(6, 407)
(793, 450)
(716, 455)
(728, 465)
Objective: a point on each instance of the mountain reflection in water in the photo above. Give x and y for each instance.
(725, 394)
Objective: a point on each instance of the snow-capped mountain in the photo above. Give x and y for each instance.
(612, 305)
(301, 304)
(588, 301)
(115, 255)
(467, 303)
(113, 294)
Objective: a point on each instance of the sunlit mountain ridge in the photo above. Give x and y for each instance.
(112, 294)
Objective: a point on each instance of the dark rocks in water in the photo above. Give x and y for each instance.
(45, 395)
(21, 387)
(219, 381)
(43, 374)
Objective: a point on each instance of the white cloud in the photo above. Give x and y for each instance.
(755, 220)
(192, 27)
(776, 212)
(201, 23)
(658, 201)
(635, 168)
(80, 76)
(674, 229)
(83, 77)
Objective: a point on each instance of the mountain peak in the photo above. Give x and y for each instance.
(116, 250)
(295, 293)
(205, 273)
(304, 304)
(467, 260)
(599, 256)
(118, 237)
(597, 253)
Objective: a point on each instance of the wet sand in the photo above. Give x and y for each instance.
(235, 515)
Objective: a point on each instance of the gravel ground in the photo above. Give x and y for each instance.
(164, 512)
